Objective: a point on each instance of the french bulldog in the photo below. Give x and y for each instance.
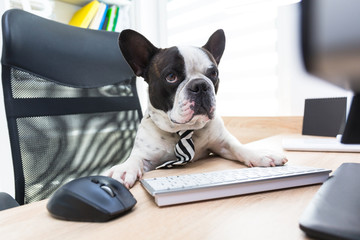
(183, 82)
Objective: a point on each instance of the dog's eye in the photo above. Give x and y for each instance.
(214, 74)
(171, 78)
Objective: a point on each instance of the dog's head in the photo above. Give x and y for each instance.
(182, 81)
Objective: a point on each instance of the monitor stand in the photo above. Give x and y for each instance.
(351, 134)
(318, 144)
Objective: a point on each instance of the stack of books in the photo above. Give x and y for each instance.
(101, 16)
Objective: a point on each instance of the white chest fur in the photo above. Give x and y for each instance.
(156, 146)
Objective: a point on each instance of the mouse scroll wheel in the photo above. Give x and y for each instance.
(108, 190)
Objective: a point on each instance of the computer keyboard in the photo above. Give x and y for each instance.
(225, 183)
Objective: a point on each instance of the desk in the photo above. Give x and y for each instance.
(270, 215)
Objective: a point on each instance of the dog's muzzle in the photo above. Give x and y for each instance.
(202, 93)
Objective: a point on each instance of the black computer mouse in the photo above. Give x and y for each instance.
(91, 199)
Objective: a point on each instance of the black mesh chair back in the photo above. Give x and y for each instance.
(71, 102)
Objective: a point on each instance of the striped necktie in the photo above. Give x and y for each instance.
(184, 150)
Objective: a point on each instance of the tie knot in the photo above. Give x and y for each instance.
(187, 134)
(184, 150)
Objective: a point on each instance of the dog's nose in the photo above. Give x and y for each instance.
(198, 85)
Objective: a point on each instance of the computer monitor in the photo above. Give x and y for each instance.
(330, 41)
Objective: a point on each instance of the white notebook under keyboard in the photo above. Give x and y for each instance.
(225, 183)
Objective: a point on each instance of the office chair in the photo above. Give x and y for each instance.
(71, 102)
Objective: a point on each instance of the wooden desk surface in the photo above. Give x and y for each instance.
(269, 215)
(249, 129)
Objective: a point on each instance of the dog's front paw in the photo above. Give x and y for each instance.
(125, 173)
(266, 159)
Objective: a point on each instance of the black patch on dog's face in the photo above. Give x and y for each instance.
(161, 92)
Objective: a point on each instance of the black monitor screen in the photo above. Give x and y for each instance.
(330, 35)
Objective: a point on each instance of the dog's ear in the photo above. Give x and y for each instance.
(216, 44)
(137, 50)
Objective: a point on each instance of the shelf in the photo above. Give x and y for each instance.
(83, 2)
(58, 10)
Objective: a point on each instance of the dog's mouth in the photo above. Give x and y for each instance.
(195, 114)
(204, 109)
(193, 119)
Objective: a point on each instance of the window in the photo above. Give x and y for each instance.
(248, 69)
(261, 70)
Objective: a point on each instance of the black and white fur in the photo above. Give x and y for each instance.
(183, 83)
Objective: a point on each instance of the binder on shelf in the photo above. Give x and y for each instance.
(103, 19)
(117, 9)
(99, 17)
(106, 19)
(102, 16)
(113, 10)
(84, 15)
